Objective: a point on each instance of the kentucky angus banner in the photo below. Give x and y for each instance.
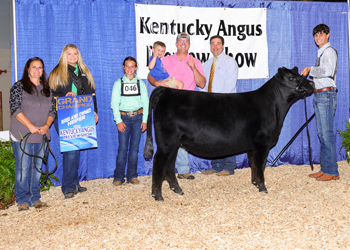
(244, 32)
(76, 122)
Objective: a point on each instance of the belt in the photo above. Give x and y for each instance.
(324, 89)
(132, 113)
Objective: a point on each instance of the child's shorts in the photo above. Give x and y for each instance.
(171, 82)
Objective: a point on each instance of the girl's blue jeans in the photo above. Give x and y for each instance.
(128, 140)
(70, 177)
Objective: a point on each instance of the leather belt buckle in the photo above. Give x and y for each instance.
(132, 113)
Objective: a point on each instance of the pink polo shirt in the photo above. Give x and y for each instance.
(181, 71)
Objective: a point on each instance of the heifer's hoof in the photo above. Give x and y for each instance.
(263, 190)
(178, 190)
(180, 193)
(158, 198)
(255, 185)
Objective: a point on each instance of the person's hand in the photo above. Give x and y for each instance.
(34, 129)
(121, 126)
(163, 83)
(71, 94)
(143, 127)
(305, 71)
(96, 118)
(154, 53)
(43, 129)
(191, 63)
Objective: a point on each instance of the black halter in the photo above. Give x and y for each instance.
(301, 81)
(299, 131)
(296, 89)
(46, 145)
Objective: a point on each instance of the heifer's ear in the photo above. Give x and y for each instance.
(295, 70)
(280, 73)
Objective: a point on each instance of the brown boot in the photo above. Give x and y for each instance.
(23, 207)
(187, 176)
(134, 181)
(316, 175)
(327, 177)
(117, 183)
(223, 173)
(208, 172)
(39, 204)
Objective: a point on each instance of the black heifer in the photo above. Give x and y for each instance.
(217, 125)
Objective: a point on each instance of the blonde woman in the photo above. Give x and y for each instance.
(71, 77)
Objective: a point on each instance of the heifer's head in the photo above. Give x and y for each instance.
(291, 79)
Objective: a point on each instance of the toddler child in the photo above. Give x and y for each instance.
(157, 69)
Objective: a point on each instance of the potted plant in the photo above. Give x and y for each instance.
(345, 136)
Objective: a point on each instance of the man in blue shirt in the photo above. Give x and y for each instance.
(325, 102)
(221, 73)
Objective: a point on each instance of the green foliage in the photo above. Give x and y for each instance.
(345, 136)
(46, 186)
(7, 171)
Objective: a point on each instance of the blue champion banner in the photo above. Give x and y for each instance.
(76, 122)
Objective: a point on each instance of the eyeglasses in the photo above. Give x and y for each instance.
(183, 41)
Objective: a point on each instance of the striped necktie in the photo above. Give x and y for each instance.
(212, 70)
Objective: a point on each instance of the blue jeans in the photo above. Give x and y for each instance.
(181, 163)
(325, 104)
(70, 178)
(27, 191)
(133, 133)
(228, 164)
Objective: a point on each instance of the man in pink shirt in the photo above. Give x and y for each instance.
(190, 71)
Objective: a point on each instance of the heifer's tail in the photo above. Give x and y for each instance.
(148, 151)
